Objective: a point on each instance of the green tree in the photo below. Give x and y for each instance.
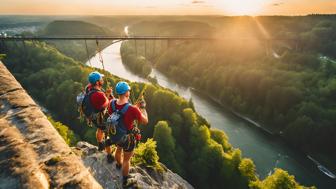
(280, 179)
(221, 138)
(146, 154)
(165, 145)
(68, 135)
(2, 56)
(248, 169)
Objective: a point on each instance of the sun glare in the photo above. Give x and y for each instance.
(242, 7)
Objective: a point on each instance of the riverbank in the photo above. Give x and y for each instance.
(326, 167)
(326, 162)
(241, 116)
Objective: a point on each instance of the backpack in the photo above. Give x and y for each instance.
(85, 107)
(115, 124)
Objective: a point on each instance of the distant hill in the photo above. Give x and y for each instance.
(62, 27)
(76, 48)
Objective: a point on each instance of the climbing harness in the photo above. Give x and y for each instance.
(115, 123)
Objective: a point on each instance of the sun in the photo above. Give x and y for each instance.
(241, 7)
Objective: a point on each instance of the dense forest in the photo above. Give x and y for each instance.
(287, 84)
(185, 142)
(313, 33)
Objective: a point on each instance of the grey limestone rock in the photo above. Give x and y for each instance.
(110, 178)
(32, 153)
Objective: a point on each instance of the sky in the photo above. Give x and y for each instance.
(167, 7)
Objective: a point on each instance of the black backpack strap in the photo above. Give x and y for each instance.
(87, 89)
(91, 92)
(113, 105)
(123, 110)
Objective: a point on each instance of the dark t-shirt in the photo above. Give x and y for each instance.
(133, 113)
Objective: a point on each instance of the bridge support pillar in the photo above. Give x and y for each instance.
(153, 48)
(145, 48)
(136, 48)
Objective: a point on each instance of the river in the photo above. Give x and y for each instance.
(267, 151)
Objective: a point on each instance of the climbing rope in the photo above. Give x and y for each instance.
(100, 56)
(141, 94)
(140, 97)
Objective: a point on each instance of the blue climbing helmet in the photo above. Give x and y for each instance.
(122, 87)
(94, 77)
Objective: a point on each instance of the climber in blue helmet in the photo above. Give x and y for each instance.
(127, 134)
(97, 103)
(122, 88)
(94, 77)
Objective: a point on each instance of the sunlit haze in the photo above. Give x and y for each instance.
(168, 7)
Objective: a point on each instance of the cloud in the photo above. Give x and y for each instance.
(277, 4)
(197, 2)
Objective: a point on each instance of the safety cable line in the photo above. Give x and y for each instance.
(87, 53)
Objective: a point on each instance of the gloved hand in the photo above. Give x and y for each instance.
(141, 104)
(108, 92)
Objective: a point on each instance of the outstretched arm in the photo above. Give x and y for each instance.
(109, 93)
(144, 117)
